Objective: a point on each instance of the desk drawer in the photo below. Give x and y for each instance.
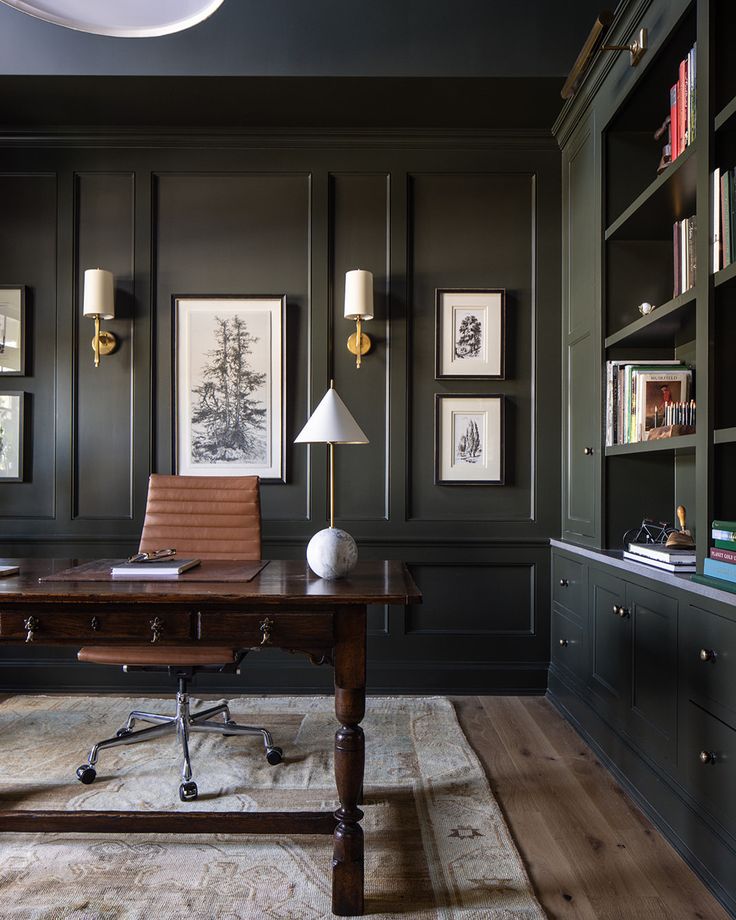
(568, 648)
(570, 584)
(708, 761)
(708, 661)
(285, 630)
(74, 627)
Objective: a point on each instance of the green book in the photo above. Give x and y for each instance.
(726, 544)
(724, 525)
(714, 583)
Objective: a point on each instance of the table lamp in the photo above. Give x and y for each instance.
(331, 552)
(99, 303)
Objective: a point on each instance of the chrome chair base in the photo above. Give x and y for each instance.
(183, 724)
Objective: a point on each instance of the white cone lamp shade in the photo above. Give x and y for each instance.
(332, 553)
(120, 18)
(99, 293)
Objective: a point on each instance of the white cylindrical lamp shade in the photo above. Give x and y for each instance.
(358, 294)
(99, 296)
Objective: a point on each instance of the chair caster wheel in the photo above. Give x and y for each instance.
(274, 755)
(86, 774)
(122, 732)
(188, 792)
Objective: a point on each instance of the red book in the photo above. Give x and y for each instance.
(725, 555)
(674, 131)
(682, 106)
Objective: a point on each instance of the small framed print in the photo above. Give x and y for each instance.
(12, 330)
(229, 385)
(11, 436)
(469, 440)
(470, 333)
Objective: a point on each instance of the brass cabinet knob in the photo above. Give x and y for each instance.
(622, 612)
(265, 628)
(564, 642)
(588, 451)
(95, 624)
(564, 583)
(616, 609)
(31, 624)
(157, 628)
(707, 654)
(706, 757)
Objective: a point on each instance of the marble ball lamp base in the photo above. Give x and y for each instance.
(332, 553)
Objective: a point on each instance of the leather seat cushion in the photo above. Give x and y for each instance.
(158, 655)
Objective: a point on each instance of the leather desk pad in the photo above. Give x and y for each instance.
(208, 570)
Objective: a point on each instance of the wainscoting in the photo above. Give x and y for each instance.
(273, 215)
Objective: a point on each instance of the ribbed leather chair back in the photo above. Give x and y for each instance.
(210, 517)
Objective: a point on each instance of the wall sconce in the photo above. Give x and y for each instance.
(99, 303)
(359, 307)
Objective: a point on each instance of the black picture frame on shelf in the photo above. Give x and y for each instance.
(469, 439)
(12, 435)
(12, 330)
(470, 334)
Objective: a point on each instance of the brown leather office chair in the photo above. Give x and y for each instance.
(206, 517)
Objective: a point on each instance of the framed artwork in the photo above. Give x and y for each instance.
(12, 330)
(11, 436)
(469, 440)
(470, 333)
(229, 371)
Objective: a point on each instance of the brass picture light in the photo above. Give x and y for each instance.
(636, 49)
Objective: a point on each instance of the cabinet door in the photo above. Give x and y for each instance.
(581, 355)
(610, 646)
(652, 720)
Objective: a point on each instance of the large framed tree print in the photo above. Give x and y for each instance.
(229, 385)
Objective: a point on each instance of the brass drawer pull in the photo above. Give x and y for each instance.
(31, 624)
(706, 757)
(95, 624)
(157, 628)
(622, 612)
(265, 628)
(588, 451)
(707, 654)
(564, 583)
(564, 642)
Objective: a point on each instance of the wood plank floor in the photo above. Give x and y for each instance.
(590, 852)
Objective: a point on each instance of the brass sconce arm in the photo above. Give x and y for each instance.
(103, 343)
(359, 343)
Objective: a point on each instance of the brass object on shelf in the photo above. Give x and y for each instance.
(682, 538)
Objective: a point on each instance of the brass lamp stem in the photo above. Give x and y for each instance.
(332, 484)
(358, 343)
(97, 339)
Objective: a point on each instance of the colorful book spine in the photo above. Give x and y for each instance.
(674, 131)
(726, 217)
(718, 534)
(716, 220)
(723, 555)
(732, 211)
(726, 544)
(716, 569)
(677, 287)
(682, 105)
(692, 228)
(723, 525)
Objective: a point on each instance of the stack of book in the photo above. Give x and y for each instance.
(684, 233)
(721, 561)
(644, 397)
(681, 561)
(724, 218)
(682, 105)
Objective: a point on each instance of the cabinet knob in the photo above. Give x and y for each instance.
(564, 583)
(706, 757)
(708, 654)
(564, 643)
(616, 609)
(588, 451)
(31, 625)
(619, 611)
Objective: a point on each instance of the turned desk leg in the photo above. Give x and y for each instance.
(347, 861)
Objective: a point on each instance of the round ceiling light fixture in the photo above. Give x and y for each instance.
(120, 18)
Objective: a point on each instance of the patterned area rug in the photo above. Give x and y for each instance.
(437, 847)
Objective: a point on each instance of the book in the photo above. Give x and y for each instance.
(714, 583)
(662, 552)
(164, 568)
(8, 570)
(655, 391)
(716, 220)
(717, 569)
(692, 227)
(723, 555)
(677, 261)
(732, 212)
(683, 568)
(726, 218)
(729, 535)
(682, 105)
(621, 395)
(692, 73)
(674, 132)
(726, 544)
(723, 525)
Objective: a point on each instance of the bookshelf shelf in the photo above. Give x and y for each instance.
(670, 197)
(725, 115)
(724, 436)
(661, 328)
(684, 442)
(725, 275)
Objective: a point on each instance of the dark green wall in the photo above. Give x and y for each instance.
(290, 216)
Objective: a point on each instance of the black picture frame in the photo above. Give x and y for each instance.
(175, 298)
(21, 435)
(22, 349)
(439, 398)
(440, 332)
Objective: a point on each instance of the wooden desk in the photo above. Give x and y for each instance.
(286, 604)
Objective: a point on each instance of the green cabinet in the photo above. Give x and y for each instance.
(610, 641)
(581, 349)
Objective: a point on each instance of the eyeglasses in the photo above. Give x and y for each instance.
(154, 556)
